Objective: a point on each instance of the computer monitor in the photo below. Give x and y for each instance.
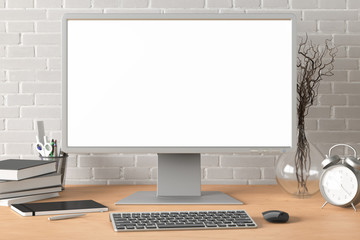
(178, 85)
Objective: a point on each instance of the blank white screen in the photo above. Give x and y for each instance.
(224, 83)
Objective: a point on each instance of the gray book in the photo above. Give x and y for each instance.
(26, 199)
(47, 180)
(17, 169)
(30, 192)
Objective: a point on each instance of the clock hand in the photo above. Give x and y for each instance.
(344, 189)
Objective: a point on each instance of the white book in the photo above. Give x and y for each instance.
(30, 192)
(26, 199)
(48, 180)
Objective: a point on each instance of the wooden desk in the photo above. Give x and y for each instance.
(307, 219)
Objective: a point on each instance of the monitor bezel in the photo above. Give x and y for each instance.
(158, 16)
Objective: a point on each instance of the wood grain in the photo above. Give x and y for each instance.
(307, 219)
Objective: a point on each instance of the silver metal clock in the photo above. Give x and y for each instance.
(340, 180)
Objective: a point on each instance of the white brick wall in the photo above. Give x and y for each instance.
(30, 84)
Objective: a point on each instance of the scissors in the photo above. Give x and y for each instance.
(44, 149)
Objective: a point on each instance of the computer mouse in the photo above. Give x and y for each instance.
(276, 216)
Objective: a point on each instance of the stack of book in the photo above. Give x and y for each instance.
(23, 181)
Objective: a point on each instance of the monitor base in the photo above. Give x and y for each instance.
(149, 197)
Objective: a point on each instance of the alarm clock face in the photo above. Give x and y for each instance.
(339, 185)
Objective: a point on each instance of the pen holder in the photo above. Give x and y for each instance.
(60, 166)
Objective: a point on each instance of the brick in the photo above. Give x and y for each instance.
(41, 38)
(52, 124)
(246, 161)
(209, 160)
(132, 10)
(9, 87)
(247, 173)
(330, 15)
(354, 52)
(106, 173)
(346, 63)
(354, 76)
(2, 102)
(19, 124)
(20, 27)
(21, 76)
(262, 182)
(149, 160)
(354, 26)
(196, 10)
(2, 127)
(78, 173)
(334, 137)
(306, 26)
(154, 173)
(2, 51)
(48, 51)
(247, 3)
(48, 76)
(2, 26)
(304, 4)
(219, 3)
(18, 148)
(40, 112)
(354, 4)
(54, 63)
(3, 76)
(352, 88)
(325, 88)
(48, 3)
(69, 181)
(21, 51)
(275, 4)
(57, 14)
(9, 112)
(49, 26)
(20, 3)
(332, 100)
(9, 38)
(317, 38)
(341, 52)
(332, 124)
(107, 3)
(20, 100)
(319, 112)
(77, 3)
(106, 161)
(347, 39)
(22, 64)
(332, 4)
(28, 87)
(354, 100)
(339, 76)
(48, 99)
(219, 173)
(347, 112)
(136, 173)
(20, 14)
(268, 173)
(14, 136)
(177, 3)
(354, 124)
(332, 26)
(311, 124)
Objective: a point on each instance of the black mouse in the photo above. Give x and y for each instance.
(276, 216)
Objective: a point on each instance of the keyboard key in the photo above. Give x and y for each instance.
(181, 226)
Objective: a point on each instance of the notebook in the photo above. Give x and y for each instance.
(48, 208)
(17, 169)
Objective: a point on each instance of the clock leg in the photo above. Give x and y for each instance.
(353, 206)
(324, 204)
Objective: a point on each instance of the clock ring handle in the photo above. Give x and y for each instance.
(341, 144)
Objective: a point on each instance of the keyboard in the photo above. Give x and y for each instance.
(155, 221)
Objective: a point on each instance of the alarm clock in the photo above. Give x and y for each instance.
(340, 180)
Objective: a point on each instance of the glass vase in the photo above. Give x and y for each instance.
(301, 180)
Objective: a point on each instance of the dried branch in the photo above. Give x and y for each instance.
(313, 63)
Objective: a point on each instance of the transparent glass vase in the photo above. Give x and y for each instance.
(300, 180)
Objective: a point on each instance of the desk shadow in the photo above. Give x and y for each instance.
(260, 221)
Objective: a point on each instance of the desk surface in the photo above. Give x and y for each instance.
(307, 219)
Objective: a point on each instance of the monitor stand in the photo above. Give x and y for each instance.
(179, 182)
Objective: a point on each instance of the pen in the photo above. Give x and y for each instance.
(60, 217)
(55, 149)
